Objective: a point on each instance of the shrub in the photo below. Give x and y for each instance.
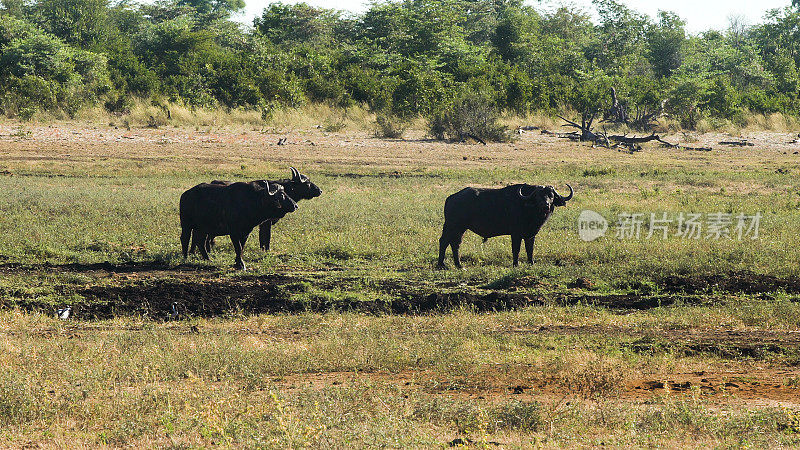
(469, 116)
(24, 96)
(390, 126)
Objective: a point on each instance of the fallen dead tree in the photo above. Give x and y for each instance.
(633, 140)
(470, 135)
(737, 143)
(571, 135)
(684, 147)
(602, 139)
(585, 127)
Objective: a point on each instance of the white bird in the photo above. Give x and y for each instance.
(64, 313)
(174, 310)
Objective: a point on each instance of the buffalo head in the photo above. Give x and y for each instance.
(303, 187)
(274, 196)
(544, 196)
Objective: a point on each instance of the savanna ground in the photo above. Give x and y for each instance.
(344, 335)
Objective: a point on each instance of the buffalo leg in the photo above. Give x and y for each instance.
(455, 243)
(238, 241)
(199, 239)
(443, 243)
(264, 235)
(186, 234)
(529, 248)
(209, 243)
(193, 248)
(516, 242)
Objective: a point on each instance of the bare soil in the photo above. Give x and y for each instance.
(113, 148)
(767, 387)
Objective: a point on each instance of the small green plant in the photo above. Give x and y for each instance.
(22, 133)
(592, 172)
(334, 126)
(520, 416)
(790, 422)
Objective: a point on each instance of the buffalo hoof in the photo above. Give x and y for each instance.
(441, 266)
(240, 266)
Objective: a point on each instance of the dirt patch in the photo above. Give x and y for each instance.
(154, 299)
(734, 282)
(149, 289)
(621, 301)
(774, 387)
(198, 295)
(203, 298)
(143, 269)
(729, 344)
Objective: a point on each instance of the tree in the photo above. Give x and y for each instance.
(665, 42)
(299, 24)
(217, 8)
(622, 33)
(515, 30)
(687, 100)
(79, 22)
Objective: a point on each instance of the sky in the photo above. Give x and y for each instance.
(700, 15)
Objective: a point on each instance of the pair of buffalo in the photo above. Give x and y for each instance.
(223, 208)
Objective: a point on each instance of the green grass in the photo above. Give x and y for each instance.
(330, 377)
(374, 223)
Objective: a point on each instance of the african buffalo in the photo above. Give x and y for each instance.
(230, 209)
(299, 187)
(518, 210)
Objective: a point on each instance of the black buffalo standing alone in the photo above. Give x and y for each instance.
(230, 209)
(518, 210)
(299, 187)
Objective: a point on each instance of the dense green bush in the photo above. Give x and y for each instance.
(404, 58)
(39, 71)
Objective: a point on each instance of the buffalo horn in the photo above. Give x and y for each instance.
(523, 196)
(295, 174)
(570, 194)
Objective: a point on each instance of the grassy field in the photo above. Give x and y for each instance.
(344, 335)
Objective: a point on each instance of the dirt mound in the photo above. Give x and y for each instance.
(154, 299)
(729, 344)
(622, 301)
(265, 294)
(734, 282)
